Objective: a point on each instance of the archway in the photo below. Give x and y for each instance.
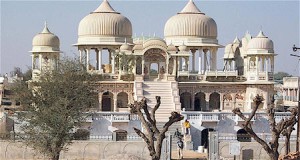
(200, 103)
(185, 100)
(107, 101)
(243, 136)
(153, 69)
(204, 137)
(122, 100)
(155, 59)
(214, 101)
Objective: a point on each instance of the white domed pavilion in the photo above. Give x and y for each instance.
(181, 67)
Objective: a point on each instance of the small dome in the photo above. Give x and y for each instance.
(125, 47)
(183, 48)
(260, 42)
(45, 41)
(155, 42)
(171, 48)
(191, 22)
(104, 25)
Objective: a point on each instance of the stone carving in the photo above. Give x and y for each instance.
(162, 70)
(227, 97)
(239, 96)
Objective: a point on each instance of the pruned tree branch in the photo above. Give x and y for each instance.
(149, 123)
(276, 129)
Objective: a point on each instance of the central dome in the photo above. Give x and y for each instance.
(191, 22)
(104, 26)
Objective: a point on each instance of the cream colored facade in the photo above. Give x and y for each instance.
(181, 68)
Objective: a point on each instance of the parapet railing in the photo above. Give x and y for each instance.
(217, 116)
(111, 116)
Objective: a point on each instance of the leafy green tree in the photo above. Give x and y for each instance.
(54, 106)
(279, 75)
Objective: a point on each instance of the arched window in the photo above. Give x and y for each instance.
(122, 100)
(200, 103)
(107, 101)
(214, 101)
(185, 100)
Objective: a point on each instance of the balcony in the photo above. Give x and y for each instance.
(202, 116)
(111, 116)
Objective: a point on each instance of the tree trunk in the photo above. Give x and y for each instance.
(56, 156)
(287, 144)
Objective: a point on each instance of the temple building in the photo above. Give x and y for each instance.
(181, 67)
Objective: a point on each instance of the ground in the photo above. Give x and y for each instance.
(190, 155)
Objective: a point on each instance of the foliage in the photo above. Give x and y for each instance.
(149, 123)
(280, 75)
(81, 134)
(54, 106)
(276, 129)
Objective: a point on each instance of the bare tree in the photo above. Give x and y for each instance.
(276, 128)
(149, 123)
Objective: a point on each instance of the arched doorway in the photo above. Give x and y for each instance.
(153, 70)
(214, 101)
(107, 101)
(122, 100)
(155, 60)
(204, 137)
(243, 136)
(200, 103)
(185, 100)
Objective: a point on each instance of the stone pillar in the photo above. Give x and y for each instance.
(207, 101)
(200, 62)
(263, 64)
(174, 66)
(32, 62)
(257, 67)
(40, 62)
(167, 65)
(115, 102)
(213, 55)
(205, 60)
(100, 59)
(272, 64)
(113, 56)
(80, 55)
(100, 101)
(187, 65)
(143, 65)
(97, 57)
(180, 63)
(221, 102)
(109, 56)
(193, 102)
(87, 59)
(233, 65)
(194, 60)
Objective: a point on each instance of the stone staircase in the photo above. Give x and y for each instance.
(151, 89)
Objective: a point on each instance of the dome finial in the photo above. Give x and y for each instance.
(190, 8)
(105, 7)
(261, 34)
(45, 30)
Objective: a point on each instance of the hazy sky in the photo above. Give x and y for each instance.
(22, 20)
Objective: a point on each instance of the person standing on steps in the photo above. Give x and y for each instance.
(187, 126)
(180, 148)
(177, 134)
